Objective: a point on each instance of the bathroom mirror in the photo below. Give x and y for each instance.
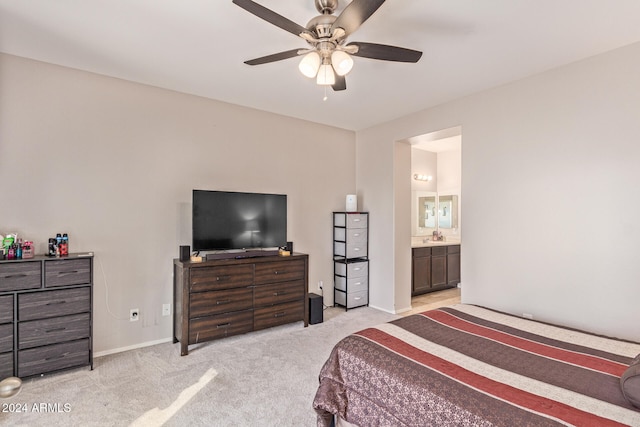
(448, 211)
(433, 212)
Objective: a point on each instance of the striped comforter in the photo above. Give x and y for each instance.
(469, 366)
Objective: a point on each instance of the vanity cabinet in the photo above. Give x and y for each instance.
(435, 268)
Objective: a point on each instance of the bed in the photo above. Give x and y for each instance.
(469, 366)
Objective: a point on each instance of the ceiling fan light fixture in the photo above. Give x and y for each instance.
(326, 77)
(342, 62)
(309, 64)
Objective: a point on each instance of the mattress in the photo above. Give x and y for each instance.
(465, 365)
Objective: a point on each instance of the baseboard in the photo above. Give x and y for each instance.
(383, 309)
(132, 347)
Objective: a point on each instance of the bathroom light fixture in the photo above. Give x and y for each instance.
(419, 177)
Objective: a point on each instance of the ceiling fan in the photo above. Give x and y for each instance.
(328, 57)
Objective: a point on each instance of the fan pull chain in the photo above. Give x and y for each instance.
(325, 94)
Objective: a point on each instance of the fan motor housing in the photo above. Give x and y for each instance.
(326, 6)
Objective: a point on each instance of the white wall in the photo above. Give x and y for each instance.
(113, 164)
(543, 160)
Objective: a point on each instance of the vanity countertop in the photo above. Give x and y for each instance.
(419, 243)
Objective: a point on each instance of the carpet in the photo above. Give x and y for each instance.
(264, 378)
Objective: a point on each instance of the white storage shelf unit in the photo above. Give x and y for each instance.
(350, 259)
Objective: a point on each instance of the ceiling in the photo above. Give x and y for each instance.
(198, 47)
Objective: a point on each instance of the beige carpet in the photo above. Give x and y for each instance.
(266, 378)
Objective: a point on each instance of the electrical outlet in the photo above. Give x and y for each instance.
(134, 315)
(166, 309)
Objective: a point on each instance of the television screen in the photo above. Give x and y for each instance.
(231, 220)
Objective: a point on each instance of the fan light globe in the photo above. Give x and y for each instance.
(326, 75)
(342, 62)
(310, 64)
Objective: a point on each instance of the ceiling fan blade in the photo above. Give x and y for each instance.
(273, 58)
(385, 52)
(355, 14)
(272, 17)
(340, 84)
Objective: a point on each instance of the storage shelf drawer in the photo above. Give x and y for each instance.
(278, 315)
(217, 302)
(41, 305)
(356, 235)
(350, 220)
(352, 284)
(16, 276)
(67, 272)
(6, 365)
(349, 250)
(279, 271)
(351, 300)
(52, 331)
(278, 293)
(53, 357)
(222, 277)
(352, 269)
(6, 308)
(6, 337)
(220, 326)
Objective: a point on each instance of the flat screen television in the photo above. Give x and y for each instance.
(224, 220)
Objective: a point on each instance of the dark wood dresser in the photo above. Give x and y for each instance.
(46, 316)
(223, 297)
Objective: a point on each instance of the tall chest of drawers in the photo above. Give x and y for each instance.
(46, 316)
(351, 259)
(220, 298)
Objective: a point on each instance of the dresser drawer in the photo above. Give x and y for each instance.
(41, 305)
(354, 283)
(16, 276)
(352, 300)
(53, 357)
(223, 277)
(220, 326)
(439, 251)
(355, 250)
(52, 331)
(6, 365)
(6, 308)
(278, 293)
(66, 272)
(351, 235)
(217, 302)
(352, 269)
(279, 271)
(6, 337)
(278, 315)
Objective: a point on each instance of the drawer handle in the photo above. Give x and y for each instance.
(224, 325)
(224, 301)
(279, 272)
(14, 276)
(219, 278)
(277, 294)
(63, 273)
(358, 283)
(55, 330)
(356, 220)
(61, 356)
(356, 235)
(357, 298)
(56, 302)
(357, 269)
(280, 314)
